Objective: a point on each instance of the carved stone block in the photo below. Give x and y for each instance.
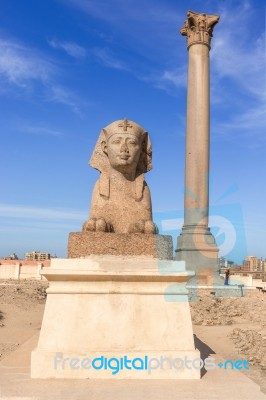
(83, 244)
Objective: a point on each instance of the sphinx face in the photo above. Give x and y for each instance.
(123, 151)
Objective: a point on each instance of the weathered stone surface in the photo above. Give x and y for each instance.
(109, 307)
(82, 244)
(198, 28)
(198, 248)
(196, 244)
(121, 200)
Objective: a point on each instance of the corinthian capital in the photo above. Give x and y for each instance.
(198, 28)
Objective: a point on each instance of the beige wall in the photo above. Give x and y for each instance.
(17, 271)
(8, 271)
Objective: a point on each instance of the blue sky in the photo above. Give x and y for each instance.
(70, 67)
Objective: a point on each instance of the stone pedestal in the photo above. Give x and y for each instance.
(82, 244)
(131, 314)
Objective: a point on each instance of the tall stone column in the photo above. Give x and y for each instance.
(196, 244)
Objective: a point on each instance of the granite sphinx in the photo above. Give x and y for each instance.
(121, 201)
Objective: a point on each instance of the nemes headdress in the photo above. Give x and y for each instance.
(99, 160)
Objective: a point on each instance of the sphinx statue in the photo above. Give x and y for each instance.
(121, 201)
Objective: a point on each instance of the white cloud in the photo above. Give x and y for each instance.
(238, 53)
(245, 66)
(71, 48)
(19, 64)
(177, 77)
(37, 226)
(17, 211)
(253, 118)
(134, 10)
(59, 94)
(40, 130)
(148, 28)
(169, 80)
(107, 58)
(249, 123)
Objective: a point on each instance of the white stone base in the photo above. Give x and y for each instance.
(112, 307)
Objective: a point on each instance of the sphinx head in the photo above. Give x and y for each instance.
(126, 148)
(123, 145)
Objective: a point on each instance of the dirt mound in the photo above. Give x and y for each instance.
(23, 293)
(252, 344)
(210, 310)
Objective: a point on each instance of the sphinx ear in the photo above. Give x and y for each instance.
(104, 147)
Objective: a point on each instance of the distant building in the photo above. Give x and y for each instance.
(37, 255)
(222, 262)
(12, 256)
(254, 264)
(262, 265)
(245, 267)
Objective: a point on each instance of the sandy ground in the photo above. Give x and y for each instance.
(234, 328)
(21, 310)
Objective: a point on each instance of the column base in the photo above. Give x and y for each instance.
(196, 246)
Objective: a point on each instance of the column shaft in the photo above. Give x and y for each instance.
(197, 137)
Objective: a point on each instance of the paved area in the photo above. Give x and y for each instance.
(15, 383)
